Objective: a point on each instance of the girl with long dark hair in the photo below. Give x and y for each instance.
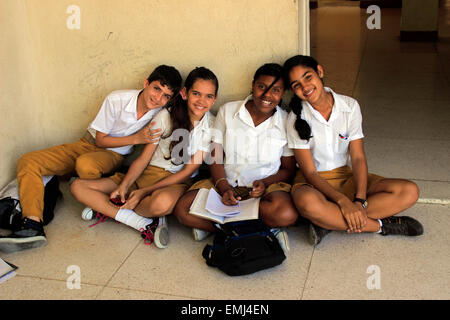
(250, 137)
(325, 130)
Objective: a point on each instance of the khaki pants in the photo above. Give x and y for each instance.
(340, 179)
(149, 177)
(88, 160)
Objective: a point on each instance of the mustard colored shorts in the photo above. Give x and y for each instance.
(208, 184)
(340, 179)
(149, 177)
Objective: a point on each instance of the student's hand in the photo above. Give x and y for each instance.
(133, 199)
(258, 189)
(119, 193)
(148, 135)
(229, 198)
(354, 214)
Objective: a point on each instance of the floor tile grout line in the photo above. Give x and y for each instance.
(110, 287)
(156, 292)
(54, 279)
(115, 272)
(307, 273)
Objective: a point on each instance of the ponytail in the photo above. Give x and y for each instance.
(302, 127)
(179, 117)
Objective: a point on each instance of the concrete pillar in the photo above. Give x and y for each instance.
(419, 20)
(303, 27)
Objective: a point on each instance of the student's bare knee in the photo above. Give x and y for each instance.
(181, 209)
(307, 201)
(160, 203)
(283, 217)
(278, 211)
(409, 192)
(76, 187)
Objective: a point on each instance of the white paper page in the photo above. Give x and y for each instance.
(249, 208)
(215, 205)
(7, 276)
(6, 271)
(198, 207)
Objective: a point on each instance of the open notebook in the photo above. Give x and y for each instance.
(7, 270)
(208, 205)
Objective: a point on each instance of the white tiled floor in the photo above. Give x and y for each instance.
(403, 89)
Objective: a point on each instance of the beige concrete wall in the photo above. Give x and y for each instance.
(53, 79)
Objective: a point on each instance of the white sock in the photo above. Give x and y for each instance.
(132, 219)
(381, 224)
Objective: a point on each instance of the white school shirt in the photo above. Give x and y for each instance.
(330, 140)
(251, 153)
(118, 117)
(199, 139)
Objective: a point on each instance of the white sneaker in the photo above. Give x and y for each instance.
(87, 214)
(162, 234)
(282, 238)
(199, 234)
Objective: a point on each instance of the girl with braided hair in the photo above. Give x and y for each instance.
(325, 130)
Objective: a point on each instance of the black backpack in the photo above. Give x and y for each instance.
(243, 247)
(11, 216)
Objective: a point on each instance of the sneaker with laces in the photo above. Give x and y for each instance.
(316, 234)
(30, 234)
(199, 234)
(404, 225)
(89, 214)
(282, 238)
(157, 232)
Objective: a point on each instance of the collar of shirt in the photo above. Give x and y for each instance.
(132, 105)
(244, 115)
(204, 123)
(338, 107)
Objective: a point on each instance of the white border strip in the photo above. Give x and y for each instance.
(433, 201)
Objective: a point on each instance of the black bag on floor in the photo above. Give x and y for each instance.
(243, 247)
(10, 211)
(10, 217)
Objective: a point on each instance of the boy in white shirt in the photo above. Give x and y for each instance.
(122, 121)
(163, 171)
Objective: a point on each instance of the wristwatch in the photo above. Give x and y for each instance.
(363, 202)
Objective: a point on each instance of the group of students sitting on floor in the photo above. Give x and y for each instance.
(297, 163)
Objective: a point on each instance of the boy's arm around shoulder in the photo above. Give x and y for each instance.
(138, 166)
(147, 135)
